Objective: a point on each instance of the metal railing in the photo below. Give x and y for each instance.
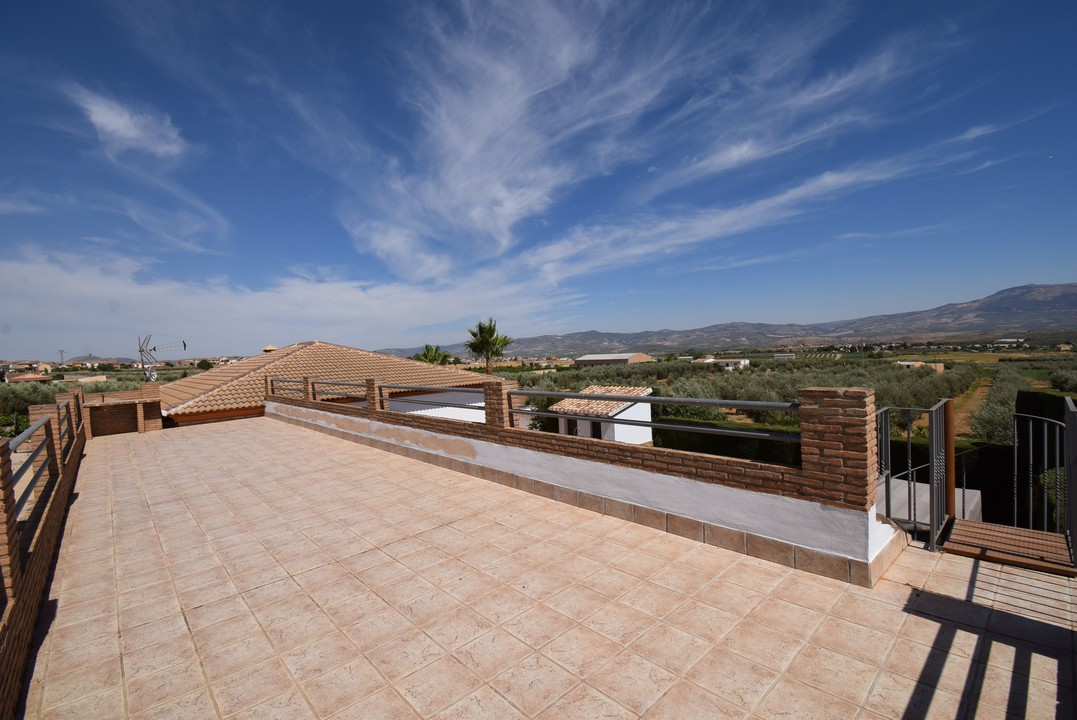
(26, 491)
(649, 400)
(1039, 449)
(1071, 475)
(315, 384)
(429, 389)
(933, 472)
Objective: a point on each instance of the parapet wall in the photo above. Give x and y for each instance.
(819, 517)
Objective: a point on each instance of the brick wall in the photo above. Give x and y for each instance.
(28, 547)
(837, 431)
(124, 411)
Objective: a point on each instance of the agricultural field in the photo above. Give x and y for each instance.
(984, 392)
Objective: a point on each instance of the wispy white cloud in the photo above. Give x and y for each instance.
(123, 128)
(19, 206)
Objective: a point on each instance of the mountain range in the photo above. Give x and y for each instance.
(1015, 311)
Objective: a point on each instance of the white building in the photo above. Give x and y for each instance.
(600, 415)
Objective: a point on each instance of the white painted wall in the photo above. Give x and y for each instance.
(476, 413)
(632, 434)
(853, 534)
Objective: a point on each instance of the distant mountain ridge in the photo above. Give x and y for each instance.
(1014, 311)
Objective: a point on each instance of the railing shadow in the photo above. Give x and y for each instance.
(1030, 642)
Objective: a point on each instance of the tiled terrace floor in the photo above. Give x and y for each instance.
(252, 569)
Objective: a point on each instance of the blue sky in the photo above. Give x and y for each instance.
(386, 174)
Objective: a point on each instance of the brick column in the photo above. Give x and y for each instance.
(496, 400)
(269, 387)
(9, 541)
(53, 413)
(838, 442)
(308, 388)
(373, 402)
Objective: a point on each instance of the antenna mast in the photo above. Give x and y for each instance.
(147, 359)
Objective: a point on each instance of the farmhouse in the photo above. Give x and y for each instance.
(613, 359)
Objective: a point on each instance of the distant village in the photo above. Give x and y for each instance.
(93, 369)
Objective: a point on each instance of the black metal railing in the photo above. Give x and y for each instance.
(929, 476)
(650, 400)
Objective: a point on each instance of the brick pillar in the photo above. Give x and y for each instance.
(373, 401)
(496, 399)
(308, 389)
(838, 441)
(9, 541)
(51, 429)
(269, 387)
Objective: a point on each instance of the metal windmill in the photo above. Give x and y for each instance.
(146, 357)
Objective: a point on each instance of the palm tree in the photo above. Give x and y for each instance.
(486, 343)
(434, 355)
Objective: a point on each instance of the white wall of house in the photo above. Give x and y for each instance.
(476, 413)
(632, 434)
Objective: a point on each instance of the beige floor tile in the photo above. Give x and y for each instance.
(620, 623)
(102, 706)
(384, 703)
(797, 701)
(632, 681)
(652, 599)
(729, 596)
(324, 654)
(687, 701)
(343, 686)
(533, 683)
(671, 648)
(405, 654)
(438, 685)
(492, 653)
(160, 687)
(702, 620)
(789, 618)
(251, 686)
(299, 631)
(896, 696)
(855, 641)
(457, 628)
(581, 651)
(585, 703)
(833, 672)
(483, 704)
(61, 689)
(197, 704)
(732, 677)
(761, 644)
(156, 657)
(538, 626)
(576, 602)
(288, 705)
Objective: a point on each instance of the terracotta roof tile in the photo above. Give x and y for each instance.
(242, 384)
(599, 408)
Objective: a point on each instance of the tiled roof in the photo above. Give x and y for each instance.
(241, 385)
(599, 408)
(608, 356)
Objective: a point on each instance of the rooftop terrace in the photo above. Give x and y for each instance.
(258, 569)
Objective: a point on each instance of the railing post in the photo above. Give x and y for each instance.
(496, 403)
(308, 388)
(9, 540)
(269, 387)
(1071, 476)
(951, 461)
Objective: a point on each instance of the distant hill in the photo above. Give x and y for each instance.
(1015, 311)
